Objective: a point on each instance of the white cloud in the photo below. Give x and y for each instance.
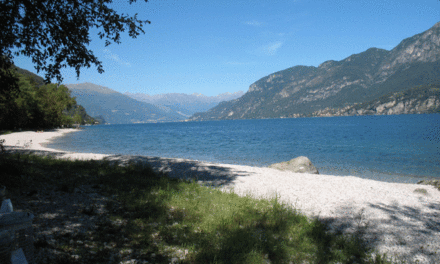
(270, 49)
(115, 57)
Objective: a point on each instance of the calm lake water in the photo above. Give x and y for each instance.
(401, 148)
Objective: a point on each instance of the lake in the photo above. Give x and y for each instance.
(398, 148)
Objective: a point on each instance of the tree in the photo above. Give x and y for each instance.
(77, 119)
(52, 101)
(36, 106)
(55, 34)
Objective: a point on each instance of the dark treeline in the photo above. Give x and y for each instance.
(36, 105)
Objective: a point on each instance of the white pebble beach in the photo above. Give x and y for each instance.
(396, 218)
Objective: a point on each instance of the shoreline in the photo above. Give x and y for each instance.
(326, 169)
(398, 220)
(35, 141)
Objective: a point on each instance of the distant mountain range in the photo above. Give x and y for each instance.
(185, 104)
(369, 79)
(117, 108)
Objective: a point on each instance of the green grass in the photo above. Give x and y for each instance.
(421, 190)
(155, 218)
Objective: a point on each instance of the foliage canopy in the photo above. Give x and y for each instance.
(55, 34)
(36, 105)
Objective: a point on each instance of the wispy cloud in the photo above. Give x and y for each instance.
(270, 49)
(253, 23)
(115, 57)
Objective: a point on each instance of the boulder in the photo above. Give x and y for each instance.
(300, 165)
(435, 183)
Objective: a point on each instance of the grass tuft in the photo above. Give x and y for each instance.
(421, 190)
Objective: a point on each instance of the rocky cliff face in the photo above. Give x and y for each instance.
(418, 100)
(360, 78)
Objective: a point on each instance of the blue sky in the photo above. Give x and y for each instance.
(213, 47)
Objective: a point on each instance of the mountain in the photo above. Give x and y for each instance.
(116, 108)
(360, 78)
(185, 104)
(84, 117)
(422, 99)
(38, 80)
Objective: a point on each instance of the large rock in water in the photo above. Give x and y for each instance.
(300, 164)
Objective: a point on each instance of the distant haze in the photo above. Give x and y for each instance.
(118, 108)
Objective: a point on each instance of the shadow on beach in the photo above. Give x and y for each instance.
(74, 211)
(208, 174)
(88, 213)
(412, 233)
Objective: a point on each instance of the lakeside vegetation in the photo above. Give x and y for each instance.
(160, 220)
(36, 105)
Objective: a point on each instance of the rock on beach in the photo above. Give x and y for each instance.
(435, 183)
(299, 165)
